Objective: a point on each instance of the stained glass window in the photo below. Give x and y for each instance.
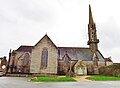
(44, 57)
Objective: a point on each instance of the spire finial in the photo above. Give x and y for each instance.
(10, 51)
(46, 33)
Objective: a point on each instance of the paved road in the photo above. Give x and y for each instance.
(18, 82)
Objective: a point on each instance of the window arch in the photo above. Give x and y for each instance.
(26, 59)
(66, 61)
(44, 57)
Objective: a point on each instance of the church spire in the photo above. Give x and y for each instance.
(93, 41)
(90, 15)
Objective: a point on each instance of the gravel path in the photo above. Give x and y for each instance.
(81, 78)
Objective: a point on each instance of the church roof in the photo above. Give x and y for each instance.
(108, 59)
(76, 53)
(3, 58)
(24, 48)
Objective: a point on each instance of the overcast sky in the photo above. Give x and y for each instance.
(25, 22)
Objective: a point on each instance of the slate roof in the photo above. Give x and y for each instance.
(25, 49)
(3, 58)
(108, 59)
(76, 53)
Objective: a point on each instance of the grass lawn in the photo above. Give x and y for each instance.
(53, 79)
(103, 78)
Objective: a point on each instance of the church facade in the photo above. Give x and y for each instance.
(46, 58)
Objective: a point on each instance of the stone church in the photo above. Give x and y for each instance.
(46, 58)
(3, 63)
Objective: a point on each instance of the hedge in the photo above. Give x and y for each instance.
(111, 70)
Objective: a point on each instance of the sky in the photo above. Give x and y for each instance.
(25, 22)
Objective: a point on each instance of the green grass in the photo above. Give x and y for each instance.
(52, 79)
(103, 78)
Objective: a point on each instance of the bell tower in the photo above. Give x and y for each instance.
(92, 35)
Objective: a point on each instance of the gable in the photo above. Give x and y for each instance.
(45, 39)
(44, 56)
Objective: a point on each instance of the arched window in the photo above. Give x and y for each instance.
(44, 57)
(26, 59)
(66, 61)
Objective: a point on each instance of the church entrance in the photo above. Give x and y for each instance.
(80, 68)
(80, 71)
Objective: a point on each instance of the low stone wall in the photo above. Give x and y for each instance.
(26, 75)
(17, 75)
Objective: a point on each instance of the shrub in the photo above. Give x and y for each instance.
(112, 70)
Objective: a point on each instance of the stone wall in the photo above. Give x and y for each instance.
(3, 63)
(109, 63)
(91, 69)
(17, 61)
(101, 63)
(90, 66)
(52, 57)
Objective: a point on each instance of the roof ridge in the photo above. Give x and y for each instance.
(75, 47)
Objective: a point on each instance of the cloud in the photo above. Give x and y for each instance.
(25, 22)
(108, 33)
